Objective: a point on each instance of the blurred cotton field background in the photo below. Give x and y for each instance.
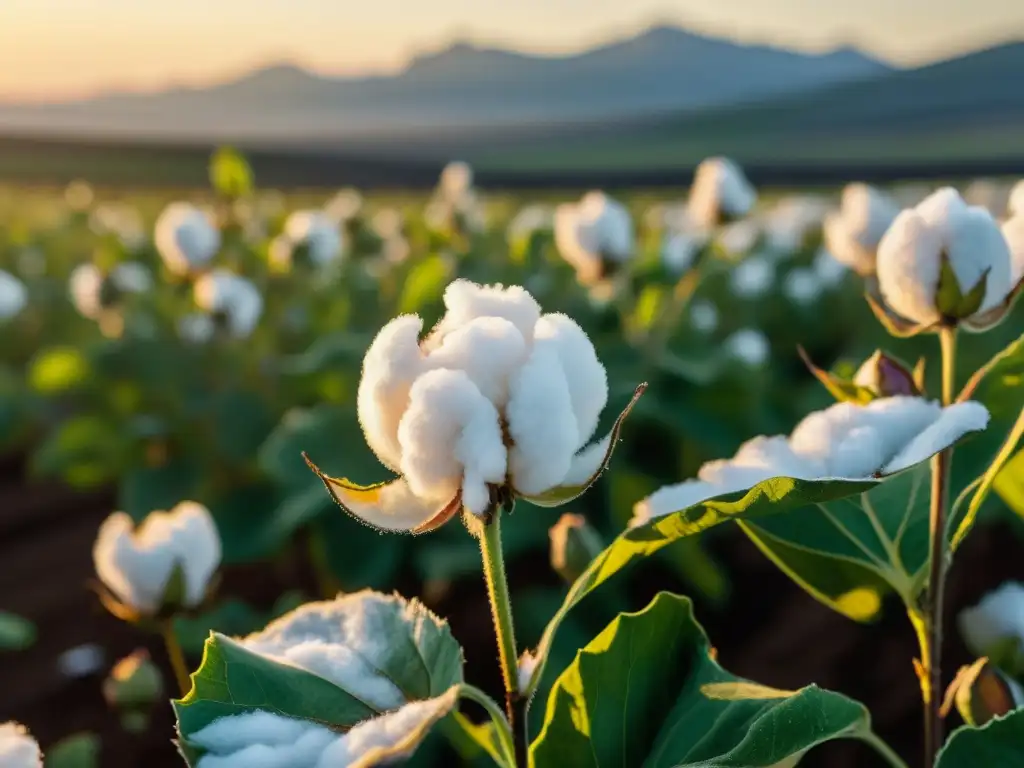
(165, 347)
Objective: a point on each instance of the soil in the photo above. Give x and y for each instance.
(771, 631)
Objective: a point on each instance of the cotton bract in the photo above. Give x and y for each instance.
(165, 563)
(845, 441)
(497, 398)
(594, 235)
(945, 262)
(17, 748)
(13, 295)
(852, 233)
(720, 193)
(186, 238)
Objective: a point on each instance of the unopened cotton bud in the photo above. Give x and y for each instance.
(886, 376)
(133, 687)
(17, 748)
(525, 668)
(574, 545)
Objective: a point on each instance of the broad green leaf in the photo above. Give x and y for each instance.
(771, 497)
(1000, 742)
(1009, 483)
(424, 284)
(647, 691)
(848, 552)
(407, 653)
(999, 384)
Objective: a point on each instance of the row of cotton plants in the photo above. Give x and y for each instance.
(476, 361)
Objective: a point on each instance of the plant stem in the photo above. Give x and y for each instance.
(930, 631)
(885, 751)
(503, 729)
(174, 653)
(501, 611)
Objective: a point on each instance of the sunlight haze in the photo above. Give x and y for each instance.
(58, 49)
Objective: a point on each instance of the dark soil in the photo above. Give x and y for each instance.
(771, 631)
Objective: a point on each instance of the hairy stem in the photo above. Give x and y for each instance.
(931, 636)
(176, 656)
(501, 611)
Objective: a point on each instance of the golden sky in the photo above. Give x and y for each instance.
(55, 49)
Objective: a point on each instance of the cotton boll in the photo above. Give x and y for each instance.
(17, 748)
(79, 195)
(802, 286)
(752, 277)
(846, 440)
(996, 621)
(790, 221)
(488, 350)
(450, 438)
(1013, 233)
(1015, 203)
(739, 237)
(346, 205)
(132, 277)
(704, 316)
(988, 194)
(388, 223)
(231, 297)
(593, 235)
(749, 346)
(911, 254)
(530, 219)
(465, 301)
(318, 233)
(85, 287)
(456, 180)
(137, 564)
(678, 252)
(186, 238)
(720, 192)
(13, 295)
(853, 233)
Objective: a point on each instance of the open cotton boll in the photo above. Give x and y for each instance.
(853, 233)
(753, 277)
(233, 298)
(704, 316)
(13, 295)
(738, 238)
(388, 223)
(1013, 233)
(17, 748)
(750, 346)
(186, 238)
(132, 277)
(530, 219)
(790, 221)
(497, 395)
(318, 233)
(137, 564)
(262, 740)
(679, 251)
(346, 205)
(988, 194)
(85, 286)
(594, 235)
(456, 180)
(802, 286)
(845, 441)
(996, 622)
(913, 250)
(720, 193)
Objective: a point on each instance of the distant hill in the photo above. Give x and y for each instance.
(662, 70)
(962, 108)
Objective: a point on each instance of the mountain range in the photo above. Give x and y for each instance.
(662, 70)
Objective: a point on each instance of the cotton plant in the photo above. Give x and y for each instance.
(455, 207)
(595, 236)
(792, 222)
(868, 481)
(99, 294)
(720, 193)
(187, 239)
(853, 232)
(162, 568)
(17, 747)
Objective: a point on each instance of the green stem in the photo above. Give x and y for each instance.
(930, 629)
(501, 725)
(175, 654)
(501, 610)
(885, 751)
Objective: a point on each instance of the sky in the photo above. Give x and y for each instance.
(59, 49)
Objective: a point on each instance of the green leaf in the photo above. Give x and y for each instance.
(57, 370)
(16, 633)
(771, 497)
(144, 489)
(647, 691)
(408, 650)
(1009, 483)
(80, 750)
(241, 422)
(1000, 742)
(999, 384)
(86, 451)
(424, 285)
(230, 174)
